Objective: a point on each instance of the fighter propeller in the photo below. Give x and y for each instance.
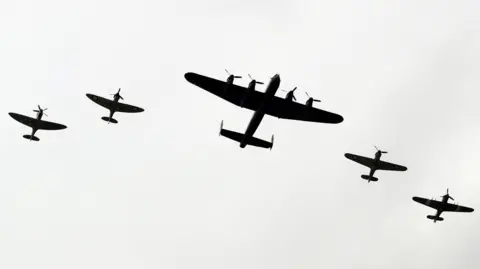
(448, 196)
(384, 152)
(40, 110)
(291, 94)
(117, 94)
(310, 100)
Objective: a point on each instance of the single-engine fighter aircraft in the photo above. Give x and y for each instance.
(114, 106)
(261, 103)
(37, 123)
(374, 164)
(442, 206)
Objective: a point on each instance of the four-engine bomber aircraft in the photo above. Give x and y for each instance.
(37, 123)
(114, 106)
(442, 206)
(374, 164)
(261, 103)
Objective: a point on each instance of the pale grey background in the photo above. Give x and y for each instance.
(162, 190)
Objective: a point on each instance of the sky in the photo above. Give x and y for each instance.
(161, 189)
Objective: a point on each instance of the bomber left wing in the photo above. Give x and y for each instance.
(278, 107)
(38, 124)
(368, 162)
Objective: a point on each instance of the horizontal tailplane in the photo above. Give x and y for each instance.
(253, 141)
(370, 178)
(112, 120)
(435, 218)
(31, 137)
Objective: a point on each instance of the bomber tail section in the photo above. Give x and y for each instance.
(434, 218)
(239, 137)
(369, 178)
(107, 119)
(31, 137)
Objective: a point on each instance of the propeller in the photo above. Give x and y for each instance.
(253, 80)
(448, 196)
(315, 100)
(291, 94)
(233, 76)
(117, 94)
(40, 110)
(380, 150)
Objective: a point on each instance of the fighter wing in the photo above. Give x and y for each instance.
(120, 107)
(457, 208)
(282, 108)
(46, 125)
(108, 104)
(38, 124)
(368, 162)
(431, 203)
(278, 107)
(23, 119)
(390, 166)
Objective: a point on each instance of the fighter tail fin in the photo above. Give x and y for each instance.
(32, 138)
(369, 178)
(107, 119)
(434, 218)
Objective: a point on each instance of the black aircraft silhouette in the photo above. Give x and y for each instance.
(37, 123)
(114, 106)
(374, 164)
(261, 103)
(442, 206)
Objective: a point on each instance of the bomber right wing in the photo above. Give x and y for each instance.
(428, 202)
(368, 162)
(285, 109)
(277, 107)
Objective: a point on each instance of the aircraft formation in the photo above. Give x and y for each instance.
(261, 103)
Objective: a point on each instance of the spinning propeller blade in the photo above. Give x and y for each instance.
(448, 195)
(117, 94)
(231, 74)
(41, 110)
(291, 93)
(256, 82)
(380, 150)
(314, 100)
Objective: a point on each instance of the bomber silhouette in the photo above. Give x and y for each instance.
(261, 103)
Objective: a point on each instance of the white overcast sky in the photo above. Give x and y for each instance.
(162, 190)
